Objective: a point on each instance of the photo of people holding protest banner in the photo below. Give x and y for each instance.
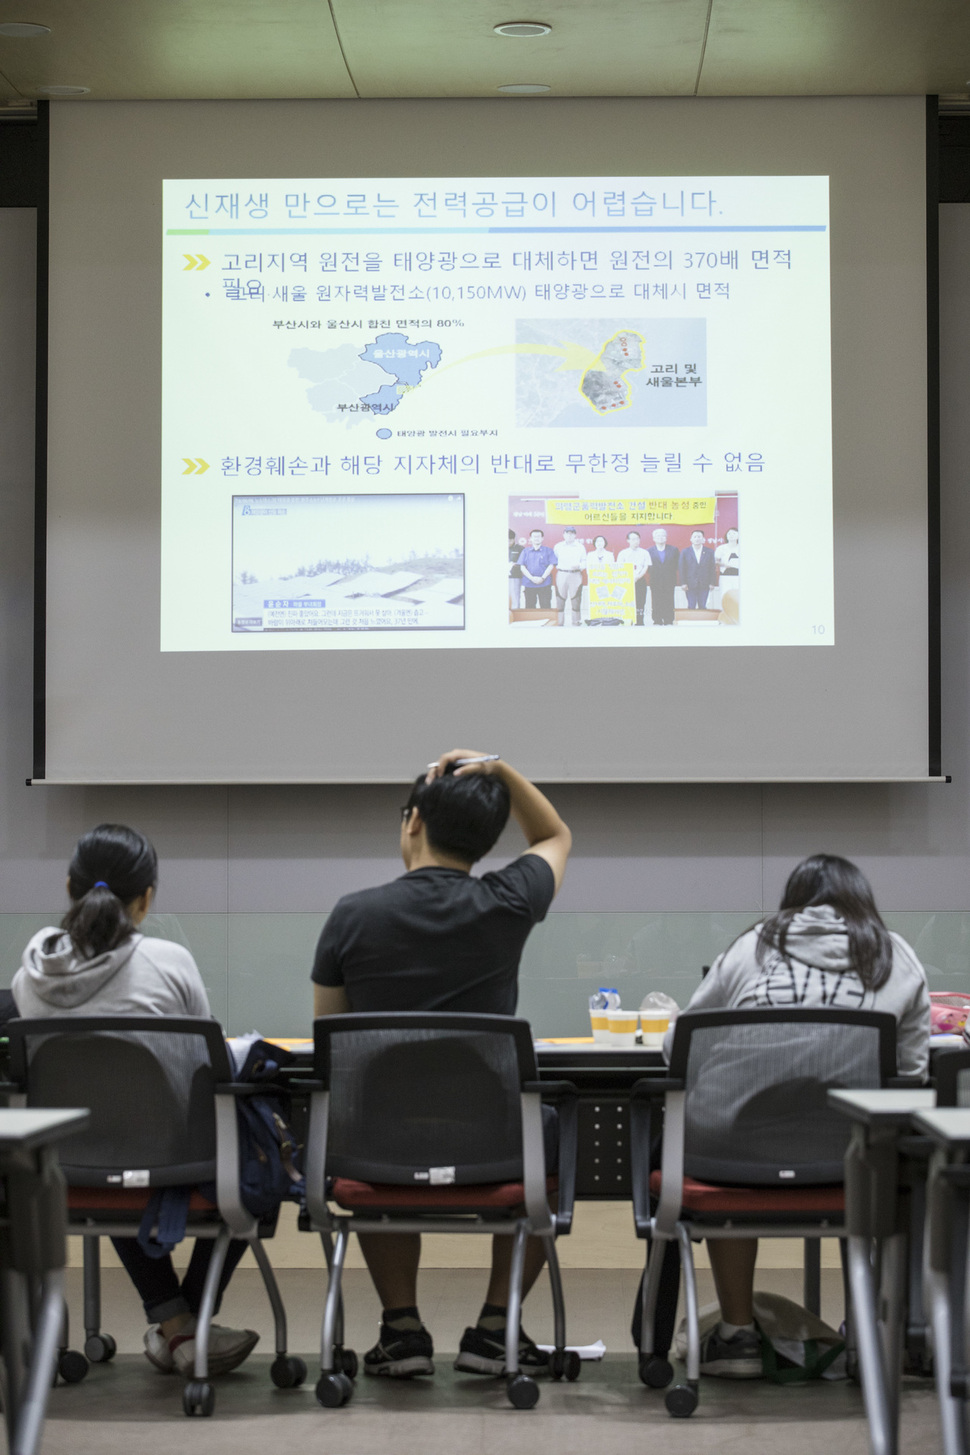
(647, 562)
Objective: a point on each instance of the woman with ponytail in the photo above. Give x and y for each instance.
(99, 964)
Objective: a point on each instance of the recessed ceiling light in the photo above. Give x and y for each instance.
(524, 88)
(21, 30)
(64, 90)
(522, 28)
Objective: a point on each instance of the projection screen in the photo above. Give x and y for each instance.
(590, 432)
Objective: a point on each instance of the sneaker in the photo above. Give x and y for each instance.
(227, 1349)
(482, 1351)
(400, 1354)
(157, 1351)
(736, 1358)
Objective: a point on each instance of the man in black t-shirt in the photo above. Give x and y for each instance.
(440, 939)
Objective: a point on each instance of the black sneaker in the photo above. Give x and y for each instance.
(736, 1358)
(483, 1352)
(400, 1354)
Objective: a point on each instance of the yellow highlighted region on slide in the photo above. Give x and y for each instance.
(604, 385)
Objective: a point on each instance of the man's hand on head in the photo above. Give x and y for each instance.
(545, 832)
(486, 763)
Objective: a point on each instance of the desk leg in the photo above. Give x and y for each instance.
(15, 1340)
(892, 1298)
(871, 1366)
(812, 1295)
(30, 1421)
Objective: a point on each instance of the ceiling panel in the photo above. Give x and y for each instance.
(197, 49)
(178, 49)
(614, 48)
(836, 47)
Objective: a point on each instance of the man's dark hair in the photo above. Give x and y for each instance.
(463, 816)
(535, 531)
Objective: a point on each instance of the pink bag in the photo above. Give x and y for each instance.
(948, 1012)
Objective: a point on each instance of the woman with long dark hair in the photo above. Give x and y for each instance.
(825, 946)
(97, 963)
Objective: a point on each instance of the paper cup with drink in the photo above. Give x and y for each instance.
(623, 1027)
(657, 1010)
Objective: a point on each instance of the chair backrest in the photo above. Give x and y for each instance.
(951, 1072)
(756, 1108)
(421, 1098)
(148, 1083)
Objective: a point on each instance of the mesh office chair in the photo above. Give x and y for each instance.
(750, 1146)
(433, 1123)
(163, 1114)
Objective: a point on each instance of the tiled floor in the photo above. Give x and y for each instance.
(127, 1407)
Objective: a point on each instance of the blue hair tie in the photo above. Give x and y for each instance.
(101, 884)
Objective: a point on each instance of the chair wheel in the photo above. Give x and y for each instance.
(287, 1371)
(681, 1401)
(346, 1362)
(654, 1371)
(333, 1390)
(564, 1362)
(198, 1398)
(71, 1366)
(99, 1348)
(522, 1391)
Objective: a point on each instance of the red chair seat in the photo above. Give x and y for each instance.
(703, 1197)
(124, 1199)
(488, 1197)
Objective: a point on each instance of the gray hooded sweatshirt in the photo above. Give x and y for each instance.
(141, 977)
(819, 972)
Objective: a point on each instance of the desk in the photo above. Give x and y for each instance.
(603, 1075)
(32, 1252)
(885, 1175)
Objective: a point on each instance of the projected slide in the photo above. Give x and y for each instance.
(381, 397)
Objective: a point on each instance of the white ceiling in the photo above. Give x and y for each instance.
(178, 49)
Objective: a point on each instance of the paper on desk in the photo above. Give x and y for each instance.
(585, 1351)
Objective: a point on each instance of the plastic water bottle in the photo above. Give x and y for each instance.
(600, 1004)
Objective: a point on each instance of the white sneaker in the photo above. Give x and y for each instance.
(157, 1350)
(227, 1349)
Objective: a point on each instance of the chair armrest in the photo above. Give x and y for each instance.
(228, 1197)
(565, 1096)
(240, 1088)
(906, 1083)
(551, 1090)
(655, 1088)
(644, 1116)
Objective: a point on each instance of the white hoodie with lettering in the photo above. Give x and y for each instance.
(140, 977)
(818, 972)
